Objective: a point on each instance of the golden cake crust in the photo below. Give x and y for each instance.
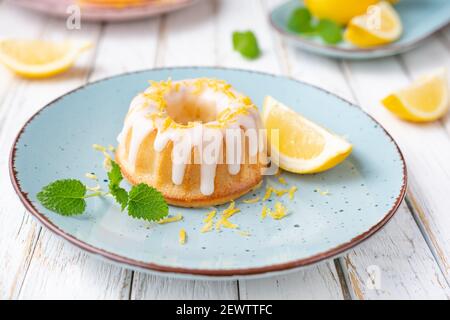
(180, 200)
(155, 168)
(144, 158)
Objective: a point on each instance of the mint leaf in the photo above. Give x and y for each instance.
(146, 203)
(65, 197)
(120, 194)
(115, 178)
(115, 175)
(329, 31)
(300, 21)
(246, 44)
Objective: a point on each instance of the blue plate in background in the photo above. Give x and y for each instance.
(364, 191)
(420, 19)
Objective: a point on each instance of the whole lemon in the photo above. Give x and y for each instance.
(339, 11)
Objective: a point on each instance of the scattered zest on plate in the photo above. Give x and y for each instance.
(40, 59)
(182, 237)
(426, 99)
(315, 150)
(303, 146)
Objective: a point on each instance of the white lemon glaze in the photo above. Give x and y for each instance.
(234, 114)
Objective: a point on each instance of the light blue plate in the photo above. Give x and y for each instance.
(420, 19)
(365, 190)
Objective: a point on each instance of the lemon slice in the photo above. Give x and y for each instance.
(380, 25)
(303, 146)
(39, 59)
(427, 99)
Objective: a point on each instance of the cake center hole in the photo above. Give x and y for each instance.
(190, 108)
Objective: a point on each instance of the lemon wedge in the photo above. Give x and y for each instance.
(39, 59)
(302, 146)
(380, 25)
(427, 99)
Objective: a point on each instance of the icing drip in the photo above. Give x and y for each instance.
(249, 122)
(162, 139)
(233, 138)
(145, 115)
(180, 157)
(211, 152)
(141, 129)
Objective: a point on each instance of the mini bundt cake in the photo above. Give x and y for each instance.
(197, 141)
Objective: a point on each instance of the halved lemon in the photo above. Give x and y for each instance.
(380, 25)
(427, 99)
(39, 59)
(302, 146)
(339, 11)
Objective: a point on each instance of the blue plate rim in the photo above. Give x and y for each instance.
(388, 49)
(220, 273)
(91, 14)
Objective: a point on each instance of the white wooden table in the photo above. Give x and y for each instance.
(412, 252)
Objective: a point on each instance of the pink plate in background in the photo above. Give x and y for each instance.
(98, 13)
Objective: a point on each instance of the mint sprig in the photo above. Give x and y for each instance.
(67, 197)
(301, 21)
(246, 44)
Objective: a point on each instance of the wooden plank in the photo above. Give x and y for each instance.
(184, 38)
(320, 282)
(418, 275)
(369, 86)
(242, 16)
(37, 278)
(313, 283)
(32, 26)
(428, 197)
(126, 48)
(401, 237)
(58, 269)
(400, 261)
(44, 285)
(444, 37)
(138, 52)
(147, 287)
(18, 232)
(61, 271)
